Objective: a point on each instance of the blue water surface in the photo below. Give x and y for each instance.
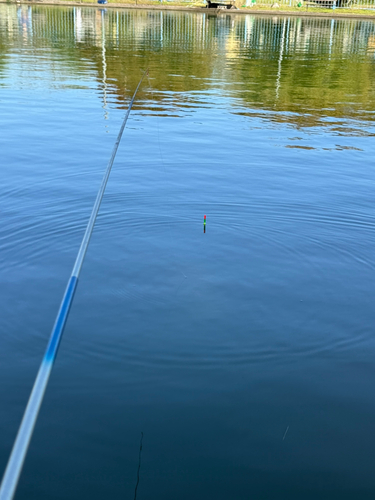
(244, 354)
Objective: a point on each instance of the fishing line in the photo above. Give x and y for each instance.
(21, 444)
(139, 466)
(157, 116)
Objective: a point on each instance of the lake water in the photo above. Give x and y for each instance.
(244, 354)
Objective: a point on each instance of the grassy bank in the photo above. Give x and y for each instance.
(304, 10)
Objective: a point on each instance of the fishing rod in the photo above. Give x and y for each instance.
(25, 431)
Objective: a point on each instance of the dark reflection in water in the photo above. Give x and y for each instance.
(310, 68)
(244, 352)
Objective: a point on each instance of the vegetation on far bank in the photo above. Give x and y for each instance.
(306, 8)
(254, 8)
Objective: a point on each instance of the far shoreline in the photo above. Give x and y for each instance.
(191, 8)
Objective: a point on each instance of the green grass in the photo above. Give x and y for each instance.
(148, 2)
(304, 8)
(254, 8)
(315, 10)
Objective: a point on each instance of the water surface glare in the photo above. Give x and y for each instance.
(244, 354)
